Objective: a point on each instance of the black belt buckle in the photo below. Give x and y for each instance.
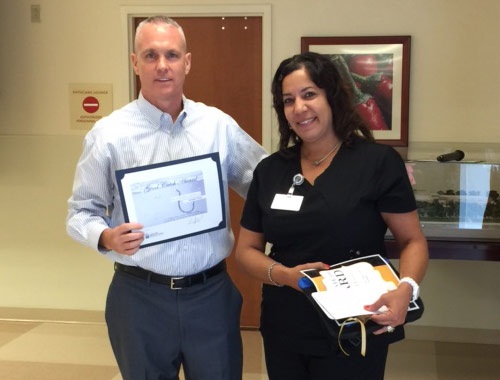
(172, 283)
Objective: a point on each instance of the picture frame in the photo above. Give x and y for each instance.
(378, 68)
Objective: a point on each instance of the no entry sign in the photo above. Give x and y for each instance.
(90, 104)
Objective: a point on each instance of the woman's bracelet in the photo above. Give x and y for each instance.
(269, 274)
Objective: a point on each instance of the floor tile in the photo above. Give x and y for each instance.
(78, 351)
(22, 370)
(61, 343)
(11, 331)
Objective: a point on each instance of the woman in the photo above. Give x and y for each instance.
(354, 189)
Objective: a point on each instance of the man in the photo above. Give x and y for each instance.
(172, 303)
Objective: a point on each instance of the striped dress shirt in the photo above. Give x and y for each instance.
(140, 134)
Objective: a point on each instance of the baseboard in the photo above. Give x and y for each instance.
(414, 332)
(51, 315)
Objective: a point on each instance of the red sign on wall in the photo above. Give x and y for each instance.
(90, 104)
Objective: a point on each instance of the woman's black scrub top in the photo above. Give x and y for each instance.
(339, 219)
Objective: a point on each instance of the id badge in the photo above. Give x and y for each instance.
(287, 202)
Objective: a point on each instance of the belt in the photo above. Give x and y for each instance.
(177, 282)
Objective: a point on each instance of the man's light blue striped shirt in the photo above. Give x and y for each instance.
(140, 134)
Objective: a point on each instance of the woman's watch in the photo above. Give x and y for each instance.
(414, 286)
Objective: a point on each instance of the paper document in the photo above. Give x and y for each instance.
(343, 290)
(175, 199)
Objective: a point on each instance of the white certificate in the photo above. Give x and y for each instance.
(174, 199)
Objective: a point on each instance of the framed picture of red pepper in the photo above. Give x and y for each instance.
(378, 69)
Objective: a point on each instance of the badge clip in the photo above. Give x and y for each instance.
(298, 179)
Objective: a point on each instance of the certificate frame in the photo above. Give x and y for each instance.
(175, 199)
(391, 54)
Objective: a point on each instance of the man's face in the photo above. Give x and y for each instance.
(162, 63)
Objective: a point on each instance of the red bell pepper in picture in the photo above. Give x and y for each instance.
(372, 115)
(380, 87)
(363, 64)
(384, 89)
(377, 84)
(383, 97)
(385, 64)
(366, 105)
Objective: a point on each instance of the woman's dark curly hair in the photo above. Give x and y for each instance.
(347, 124)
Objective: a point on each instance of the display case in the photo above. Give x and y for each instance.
(459, 206)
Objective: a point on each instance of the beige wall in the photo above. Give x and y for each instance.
(453, 101)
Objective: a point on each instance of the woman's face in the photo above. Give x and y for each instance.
(306, 107)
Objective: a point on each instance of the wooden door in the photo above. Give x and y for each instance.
(226, 72)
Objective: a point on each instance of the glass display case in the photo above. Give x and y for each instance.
(457, 200)
(459, 209)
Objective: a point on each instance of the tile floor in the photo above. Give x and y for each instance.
(77, 351)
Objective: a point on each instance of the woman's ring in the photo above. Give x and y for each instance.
(390, 329)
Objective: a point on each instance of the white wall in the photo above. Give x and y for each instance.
(453, 100)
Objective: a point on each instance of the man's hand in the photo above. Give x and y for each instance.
(125, 238)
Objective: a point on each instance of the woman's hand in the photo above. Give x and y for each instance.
(413, 260)
(293, 275)
(395, 304)
(251, 258)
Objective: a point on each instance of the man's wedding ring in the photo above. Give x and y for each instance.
(390, 329)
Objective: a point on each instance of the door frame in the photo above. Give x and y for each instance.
(128, 13)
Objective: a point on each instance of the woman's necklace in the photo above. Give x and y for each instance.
(318, 162)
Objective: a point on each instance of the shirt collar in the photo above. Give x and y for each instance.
(157, 116)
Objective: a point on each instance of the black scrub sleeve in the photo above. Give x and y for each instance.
(393, 186)
(251, 217)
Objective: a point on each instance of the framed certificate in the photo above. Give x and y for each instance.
(174, 199)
